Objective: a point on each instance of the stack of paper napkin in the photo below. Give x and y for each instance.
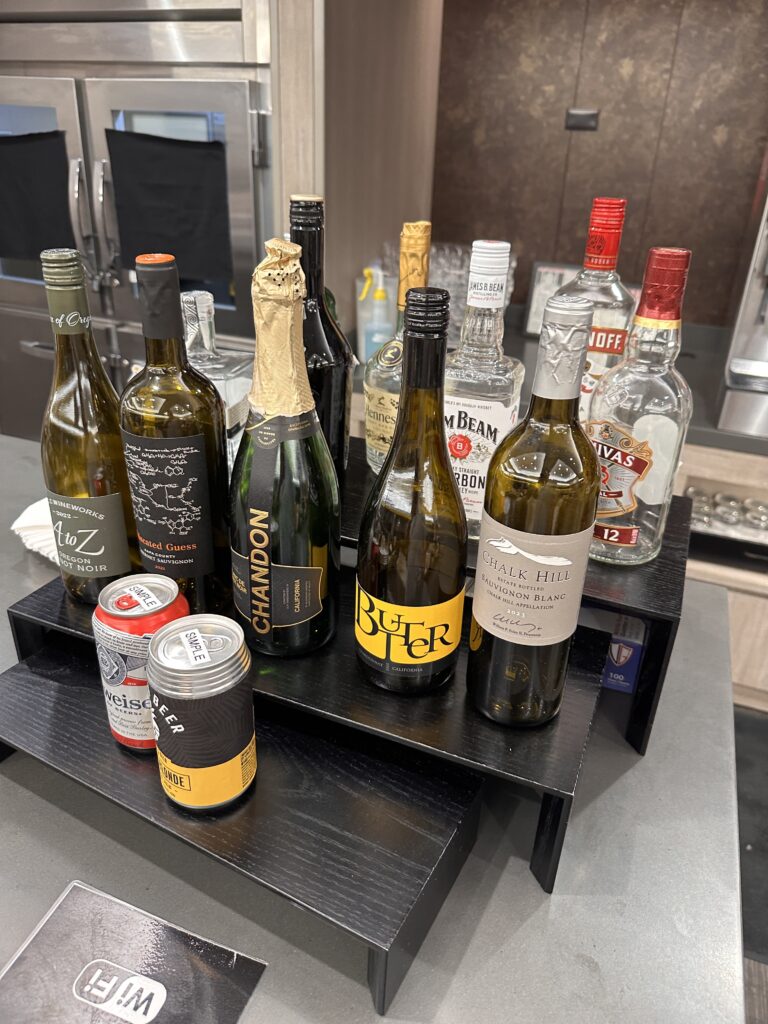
(35, 528)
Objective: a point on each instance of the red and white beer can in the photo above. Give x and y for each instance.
(130, 611)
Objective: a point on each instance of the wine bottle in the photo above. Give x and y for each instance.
(330, 361)
(413, 534)
(537, 522)
(174, 438)
(284, 496)
(81, 451)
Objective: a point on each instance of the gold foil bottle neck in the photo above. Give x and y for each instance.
(280, 383)
(415, 240)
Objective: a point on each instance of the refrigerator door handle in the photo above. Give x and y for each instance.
(80, 216)
(110, 251)
(38, 349)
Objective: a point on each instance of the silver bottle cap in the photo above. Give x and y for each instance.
(197, 656)
(134, 596)
(568, 311)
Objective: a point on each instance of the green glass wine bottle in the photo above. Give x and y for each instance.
(284, 495)
(412, 548)
(81, 451)
(536, 527)
(174, 438)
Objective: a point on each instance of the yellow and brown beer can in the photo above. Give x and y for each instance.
(202, 710)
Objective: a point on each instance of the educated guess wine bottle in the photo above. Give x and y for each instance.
(413, 535)
(284, 496)
(537, 522)
(81, 451)
(330, 362)
(174, 439)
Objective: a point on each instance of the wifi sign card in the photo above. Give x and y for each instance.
(96, 960)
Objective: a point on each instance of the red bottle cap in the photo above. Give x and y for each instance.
(606, 223)
(666, 274)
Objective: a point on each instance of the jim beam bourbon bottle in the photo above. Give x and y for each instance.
(599, 282)
(639, 417)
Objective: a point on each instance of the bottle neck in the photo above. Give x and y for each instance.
(654, 342)
(312, 242)
(202, 342)
(482, 335)
(166, 353)
(559, 370)
(75, 354)
(420, 411)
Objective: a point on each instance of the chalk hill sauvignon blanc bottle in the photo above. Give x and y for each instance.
(330, 362)
(413, 535)
(537, 523)
(81, 451)
(284, 496)
(174, 438)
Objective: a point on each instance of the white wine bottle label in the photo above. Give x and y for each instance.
(380, 418)
(401, 639)
(528, 586)
(268, 594)
(624, 463)
(474, 428)
(486, 291)
(168, 477)
(90, 535)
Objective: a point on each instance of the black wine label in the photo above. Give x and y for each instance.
(207, 747)
(168, 477)
(270, 595)
(90, 535)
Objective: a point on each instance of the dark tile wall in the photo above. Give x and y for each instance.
(682, 88)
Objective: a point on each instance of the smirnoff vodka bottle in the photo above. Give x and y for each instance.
(599, 282)
(639, 415)
(482, 385)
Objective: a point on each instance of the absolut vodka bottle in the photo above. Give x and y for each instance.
(482, 385)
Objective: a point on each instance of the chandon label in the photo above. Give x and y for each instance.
(169, 488)
(474, 427)
(270, 595)
(401, 638)
(528, 586)
(90, 535)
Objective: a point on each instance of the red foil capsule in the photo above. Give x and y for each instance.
(606, 223)
(666, 274)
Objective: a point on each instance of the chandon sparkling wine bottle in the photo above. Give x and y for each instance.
(174, 438)
(413, 535)
(284, 497)
(536, 527)
(330, 361)
(81, 451)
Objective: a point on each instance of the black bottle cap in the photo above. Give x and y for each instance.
(427, 310)
(307, 211)
(158, 279)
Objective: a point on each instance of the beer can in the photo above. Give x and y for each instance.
(129, 612)
(202, 708)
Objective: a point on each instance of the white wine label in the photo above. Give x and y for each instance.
(168, 477)
(401, 639)
(474, 428)
(269, 594)
(90, 535)
(123, 666)
(380, 418)
(528, 586)
(624, 462)
(486, 292)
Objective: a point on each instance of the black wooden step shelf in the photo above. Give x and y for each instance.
(369, 840)
(651, 592)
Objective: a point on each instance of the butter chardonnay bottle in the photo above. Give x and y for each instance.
(535, 531)
(284, 495)
(413, 536)
(81, 450)
(174, 439)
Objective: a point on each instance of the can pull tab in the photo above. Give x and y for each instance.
(126, 602)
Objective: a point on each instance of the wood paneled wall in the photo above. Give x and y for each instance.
(682, 89)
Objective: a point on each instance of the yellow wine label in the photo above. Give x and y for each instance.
(210, 786)
(380, 418)
(402, 638)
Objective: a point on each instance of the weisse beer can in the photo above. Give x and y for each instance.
(202, 707)
(129, 612)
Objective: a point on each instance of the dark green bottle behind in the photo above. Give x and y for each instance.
(284, 496)
(535, 532)
(174, 439)
(412, 549)
(81, 450)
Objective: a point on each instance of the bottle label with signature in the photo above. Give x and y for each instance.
(90, 535)
(528, 586)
